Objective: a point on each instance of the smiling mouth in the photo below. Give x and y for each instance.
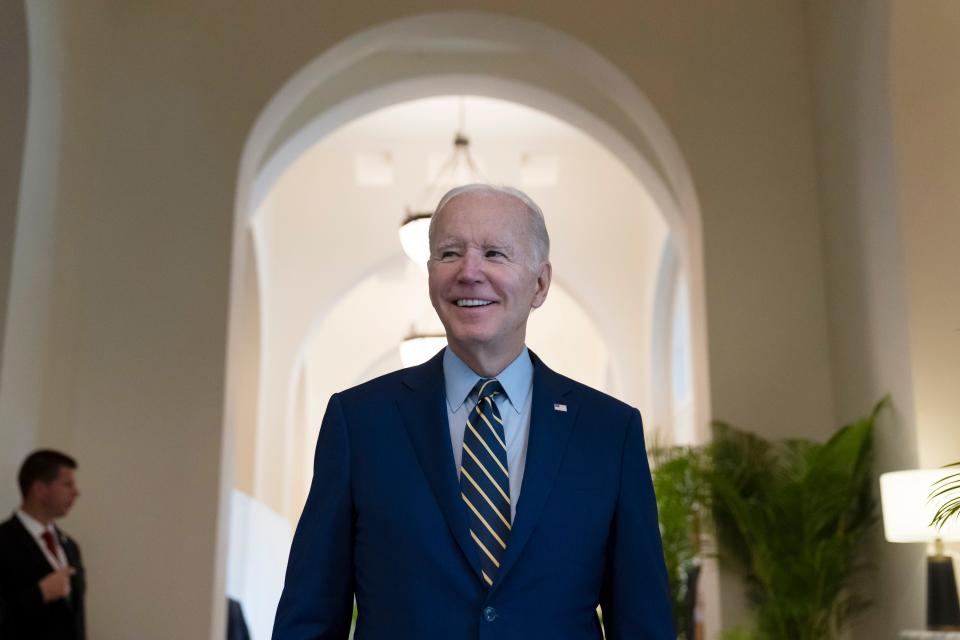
(472, 302)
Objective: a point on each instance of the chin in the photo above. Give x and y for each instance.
(471, 339)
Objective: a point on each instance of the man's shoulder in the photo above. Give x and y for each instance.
(10, 526)
(13, 535)
(389, 383)
(579, 391)
(599, 403)
(378, 385)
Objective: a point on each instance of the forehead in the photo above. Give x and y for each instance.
(483, 216)
(64, 474)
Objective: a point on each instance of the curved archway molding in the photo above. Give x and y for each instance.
(283, 131)
(490, 86)
(660, 349)
(626, 123)
(479, 33)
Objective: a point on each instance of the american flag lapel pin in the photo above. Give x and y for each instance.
(560, 407)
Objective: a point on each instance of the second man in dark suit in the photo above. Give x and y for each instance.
(41, 575)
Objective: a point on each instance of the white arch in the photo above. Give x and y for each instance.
(488, 86)
(285, 154)
(660, 352)
(492, 30)
(262, 162)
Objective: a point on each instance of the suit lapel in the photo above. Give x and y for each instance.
(422, 407)
(78, 581)
(38, 560)
(549, 432)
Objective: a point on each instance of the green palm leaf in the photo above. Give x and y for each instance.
(793, 516)
(947, 486)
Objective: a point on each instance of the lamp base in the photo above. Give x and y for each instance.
(943, 606)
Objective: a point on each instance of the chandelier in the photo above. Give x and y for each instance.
(460, 168)
(417, 348)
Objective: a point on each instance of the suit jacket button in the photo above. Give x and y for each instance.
(489, 614)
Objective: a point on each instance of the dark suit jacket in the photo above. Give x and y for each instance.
(384, 521)
(22, 564)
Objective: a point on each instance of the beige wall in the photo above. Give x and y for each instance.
(925, 43)
(28, 289)
(156, 99)
(115, 350)
(925, 40)
(738, 102)
(889, 140)
(13, 127)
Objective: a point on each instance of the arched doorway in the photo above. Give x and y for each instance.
(478, 55)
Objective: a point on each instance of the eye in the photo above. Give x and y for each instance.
(494, 253)
(447, 254)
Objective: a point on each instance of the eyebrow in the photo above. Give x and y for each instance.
(455, 243)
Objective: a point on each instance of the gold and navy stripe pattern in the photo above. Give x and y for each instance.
(485, 479)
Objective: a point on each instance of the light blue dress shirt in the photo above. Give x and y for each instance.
(513, 405)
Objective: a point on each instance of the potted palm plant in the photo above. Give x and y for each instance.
(792, 516)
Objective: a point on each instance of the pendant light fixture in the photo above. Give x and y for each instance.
(417, 348)
(459, 169)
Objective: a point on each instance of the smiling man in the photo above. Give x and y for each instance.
(479, 495)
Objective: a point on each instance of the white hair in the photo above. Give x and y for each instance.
(538, 226)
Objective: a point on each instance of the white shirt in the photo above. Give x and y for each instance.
(36, 529)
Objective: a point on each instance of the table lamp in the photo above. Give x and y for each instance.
(907, 513)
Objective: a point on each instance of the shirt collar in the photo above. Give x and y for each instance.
(34, 526)
(459, 379)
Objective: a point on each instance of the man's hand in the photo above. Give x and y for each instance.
(56, 584)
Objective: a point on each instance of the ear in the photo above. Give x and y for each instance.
(36, 490)
(543, 285)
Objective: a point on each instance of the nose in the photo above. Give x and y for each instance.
(471, 268)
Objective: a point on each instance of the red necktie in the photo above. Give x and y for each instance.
(51, 545)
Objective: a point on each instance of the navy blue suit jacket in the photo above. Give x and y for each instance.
(384, 521)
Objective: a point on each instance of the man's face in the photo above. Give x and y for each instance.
(57, 496)
(481, 272)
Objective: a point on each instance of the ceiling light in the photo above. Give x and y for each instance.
(414, 237)
(460, 168)
(417, 348)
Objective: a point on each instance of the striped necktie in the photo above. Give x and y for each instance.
(485, 479)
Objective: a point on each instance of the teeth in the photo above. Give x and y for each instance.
(473, 303)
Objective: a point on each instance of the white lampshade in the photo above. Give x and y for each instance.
(907, 509)
(418, 349)
(414, 239)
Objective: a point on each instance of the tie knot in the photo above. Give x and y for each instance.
(487, 388)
